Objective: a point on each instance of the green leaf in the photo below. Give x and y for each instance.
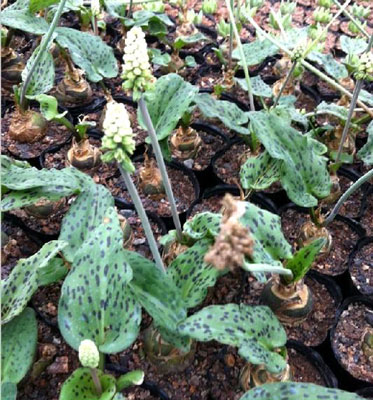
(23, 281)
(42, 79)
(260, 172)
(53, 272)
(89, 52)
(366, 152)
(259, 87)
(302, 260)
(48, 107)
(155, 291)
(168, 102)
(131, 378)
(22, 19)
(95, 301)
(270, 244)
(256, 52)
(228, 113)
(37, 5)
(191, 275)
(144, 17)
(255, 330)
(353, 45)
(304, 173)
(366, 97)
(203, 225)
(18, 346)
(332, 109)
(297, 391)
(85, 215)
(8, 391)
(158, 58)
(80, 386)
(190, 61)
(182, 41)
(116, 8)
(330, 65)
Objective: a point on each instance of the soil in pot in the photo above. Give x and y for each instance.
(361, 267)
(182, 186)
(344, 240)
(347, 340)
(351, 207)
(367, 217)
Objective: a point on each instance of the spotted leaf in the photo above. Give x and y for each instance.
(22, 19)
(260, 172)
(155, 291)
(255, 330)
(89, 52)
(259, 87)
(95, 301)
(174, 337)
(168, 102)
(352, 45)
(24, 280)
(296, 391)
(330, 65)
(366, 152)
(192, 275)
(228, 113)
(84, 215)
(8, 391)
(270, 245)
(185, 41)
(18, 346)
(203, 225)
(256, 52)
(80, 386)
(332, 109)
(304, 173)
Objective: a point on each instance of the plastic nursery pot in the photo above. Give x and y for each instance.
(95, 105)
(210, 200)
(152, 387)
(360, 266)
(354, 320)
(367, 393)
(320, 370)
(228, 97)
(158, 206)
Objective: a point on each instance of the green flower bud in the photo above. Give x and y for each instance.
(364, 68)
(89, 356)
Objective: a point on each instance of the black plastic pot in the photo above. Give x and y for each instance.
(360, 286)
(257, 198)
(364, 203)
(95, 105)
(348, 382)
(148, 385)
(316, 360)
(367, 392)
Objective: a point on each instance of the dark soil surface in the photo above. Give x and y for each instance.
(361, 270)
(347, 341)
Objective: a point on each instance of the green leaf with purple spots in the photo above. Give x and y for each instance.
(96, 302)
(329, 63)
(366, 152)
(18, 346)
(203, 225)
(8, 391)
(16, 291)
(191, 275)
(24, 20)
(255, 330)
(297, 391)
(80, 386)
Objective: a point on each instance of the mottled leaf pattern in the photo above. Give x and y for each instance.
(168, 102)
(366, 97)
(95, 301)
(256, 52)
(8, 391)
(297, 391)
(89, 52)
(353, 45)
(255, 330)
(304, 173)
(85, 214)
(332, 109)
(366, 152)
(260, 172)
(24, 280)
(18, 346)
(203, 225)
(182, 41)
(228, 113)
(23, 20)
(116, 8)
(80, 386)
(270, 244)
(331, 66)
(302, 260)
(174, 337)
(155, 291)
(144, 18)
(53, 272)
(192, 275)
(259, 87)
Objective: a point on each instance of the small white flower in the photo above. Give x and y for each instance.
(88, 354)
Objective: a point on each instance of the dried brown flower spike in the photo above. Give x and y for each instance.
(234, 242)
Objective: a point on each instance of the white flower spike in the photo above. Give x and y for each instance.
(89, 356)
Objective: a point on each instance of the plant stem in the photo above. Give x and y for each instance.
(43, 47)
(352, 19)
(355, 96)
(143, 217)
(96, 381)
(242, 56)
(310, 67)
(161, 166)
(290, 73)
(67, 123)
(130, 9)
(346, 195)
(230, 41)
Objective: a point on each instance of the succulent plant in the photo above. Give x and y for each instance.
(209, 6)
(365, 67)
